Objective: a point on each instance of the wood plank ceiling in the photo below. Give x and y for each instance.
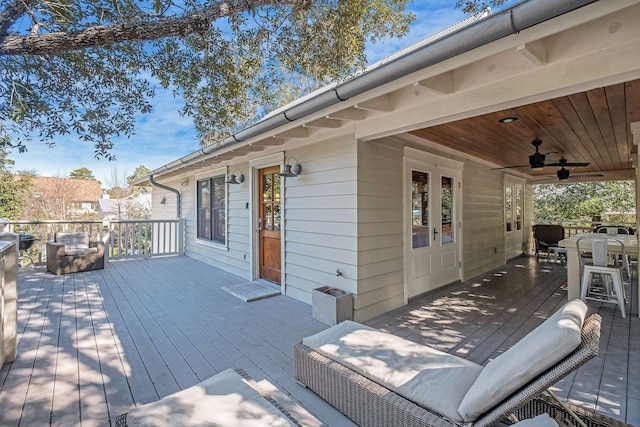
(592, 126)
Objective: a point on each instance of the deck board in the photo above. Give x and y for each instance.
(94, 344)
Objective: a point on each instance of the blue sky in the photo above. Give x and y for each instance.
(163, 136)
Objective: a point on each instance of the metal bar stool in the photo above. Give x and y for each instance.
(610, 287)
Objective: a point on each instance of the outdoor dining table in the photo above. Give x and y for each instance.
(573, 261)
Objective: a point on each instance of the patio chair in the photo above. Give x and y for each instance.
(74, 252)
(609, 286)
(547, 236)
(376, 378)
(621, 229)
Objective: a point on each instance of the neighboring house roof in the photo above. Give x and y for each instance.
(80, 190)
(450, 43)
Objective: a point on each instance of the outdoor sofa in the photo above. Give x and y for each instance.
(379, 379)
(73, 252)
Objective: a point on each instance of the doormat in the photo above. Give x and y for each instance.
(251, 291)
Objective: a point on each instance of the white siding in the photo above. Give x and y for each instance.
(345, 212)
(232, 257)
(321, 219)
(166, 210)
(380, 236)
(482, 219)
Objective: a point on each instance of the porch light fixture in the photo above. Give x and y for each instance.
(291, 170)
(234, 178)
(508, 119)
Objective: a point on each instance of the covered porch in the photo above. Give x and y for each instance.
(93, 344)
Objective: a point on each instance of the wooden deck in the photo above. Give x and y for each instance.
(92, 345)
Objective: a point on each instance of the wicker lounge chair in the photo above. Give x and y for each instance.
(370, 403)
(74, 252)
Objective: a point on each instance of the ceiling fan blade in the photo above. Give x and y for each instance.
(572, 178)
(537, 160)
(587, 175)
(567, 164)
(511, 167)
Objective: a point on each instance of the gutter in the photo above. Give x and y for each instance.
(164, 187)
(496, 26)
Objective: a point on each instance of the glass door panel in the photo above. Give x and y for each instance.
(447, 211)
(420, 209)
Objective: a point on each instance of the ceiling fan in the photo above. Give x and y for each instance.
(564, 174)
(538, 160)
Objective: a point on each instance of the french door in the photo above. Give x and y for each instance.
(432, 226)
(513, 219)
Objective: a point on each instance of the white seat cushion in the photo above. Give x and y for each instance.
(79, 251)
(428, 377)
(554, 339)
(225, 399)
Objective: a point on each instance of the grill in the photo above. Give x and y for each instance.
(26, 241)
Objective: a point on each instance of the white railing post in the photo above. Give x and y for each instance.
(106, 238)
(9, 295)
(181, 236)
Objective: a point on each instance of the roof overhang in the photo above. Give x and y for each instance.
(534, 51)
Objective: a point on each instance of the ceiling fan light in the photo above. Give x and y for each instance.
(536, 160)
(563, 174)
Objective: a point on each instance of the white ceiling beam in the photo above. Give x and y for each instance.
(324, 123)
(299, 132)
(381, 103)
(348, 114)
(441, 84)
(536, 53)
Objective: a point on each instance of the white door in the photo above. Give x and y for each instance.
(432, 247)
(513, 211)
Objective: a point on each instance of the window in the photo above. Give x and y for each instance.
(446, 195)
(211, 209)
(420, 209)
(508, 207)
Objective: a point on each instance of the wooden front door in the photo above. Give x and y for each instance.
(269, 224)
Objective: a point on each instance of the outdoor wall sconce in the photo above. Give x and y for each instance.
(291, 170)
(235, 179)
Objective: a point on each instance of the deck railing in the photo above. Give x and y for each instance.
(572, 228)
(123, 238)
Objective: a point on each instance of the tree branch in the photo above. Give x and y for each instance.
(12, 12)
(197, 22)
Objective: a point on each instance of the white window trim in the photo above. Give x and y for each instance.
(212, 243)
